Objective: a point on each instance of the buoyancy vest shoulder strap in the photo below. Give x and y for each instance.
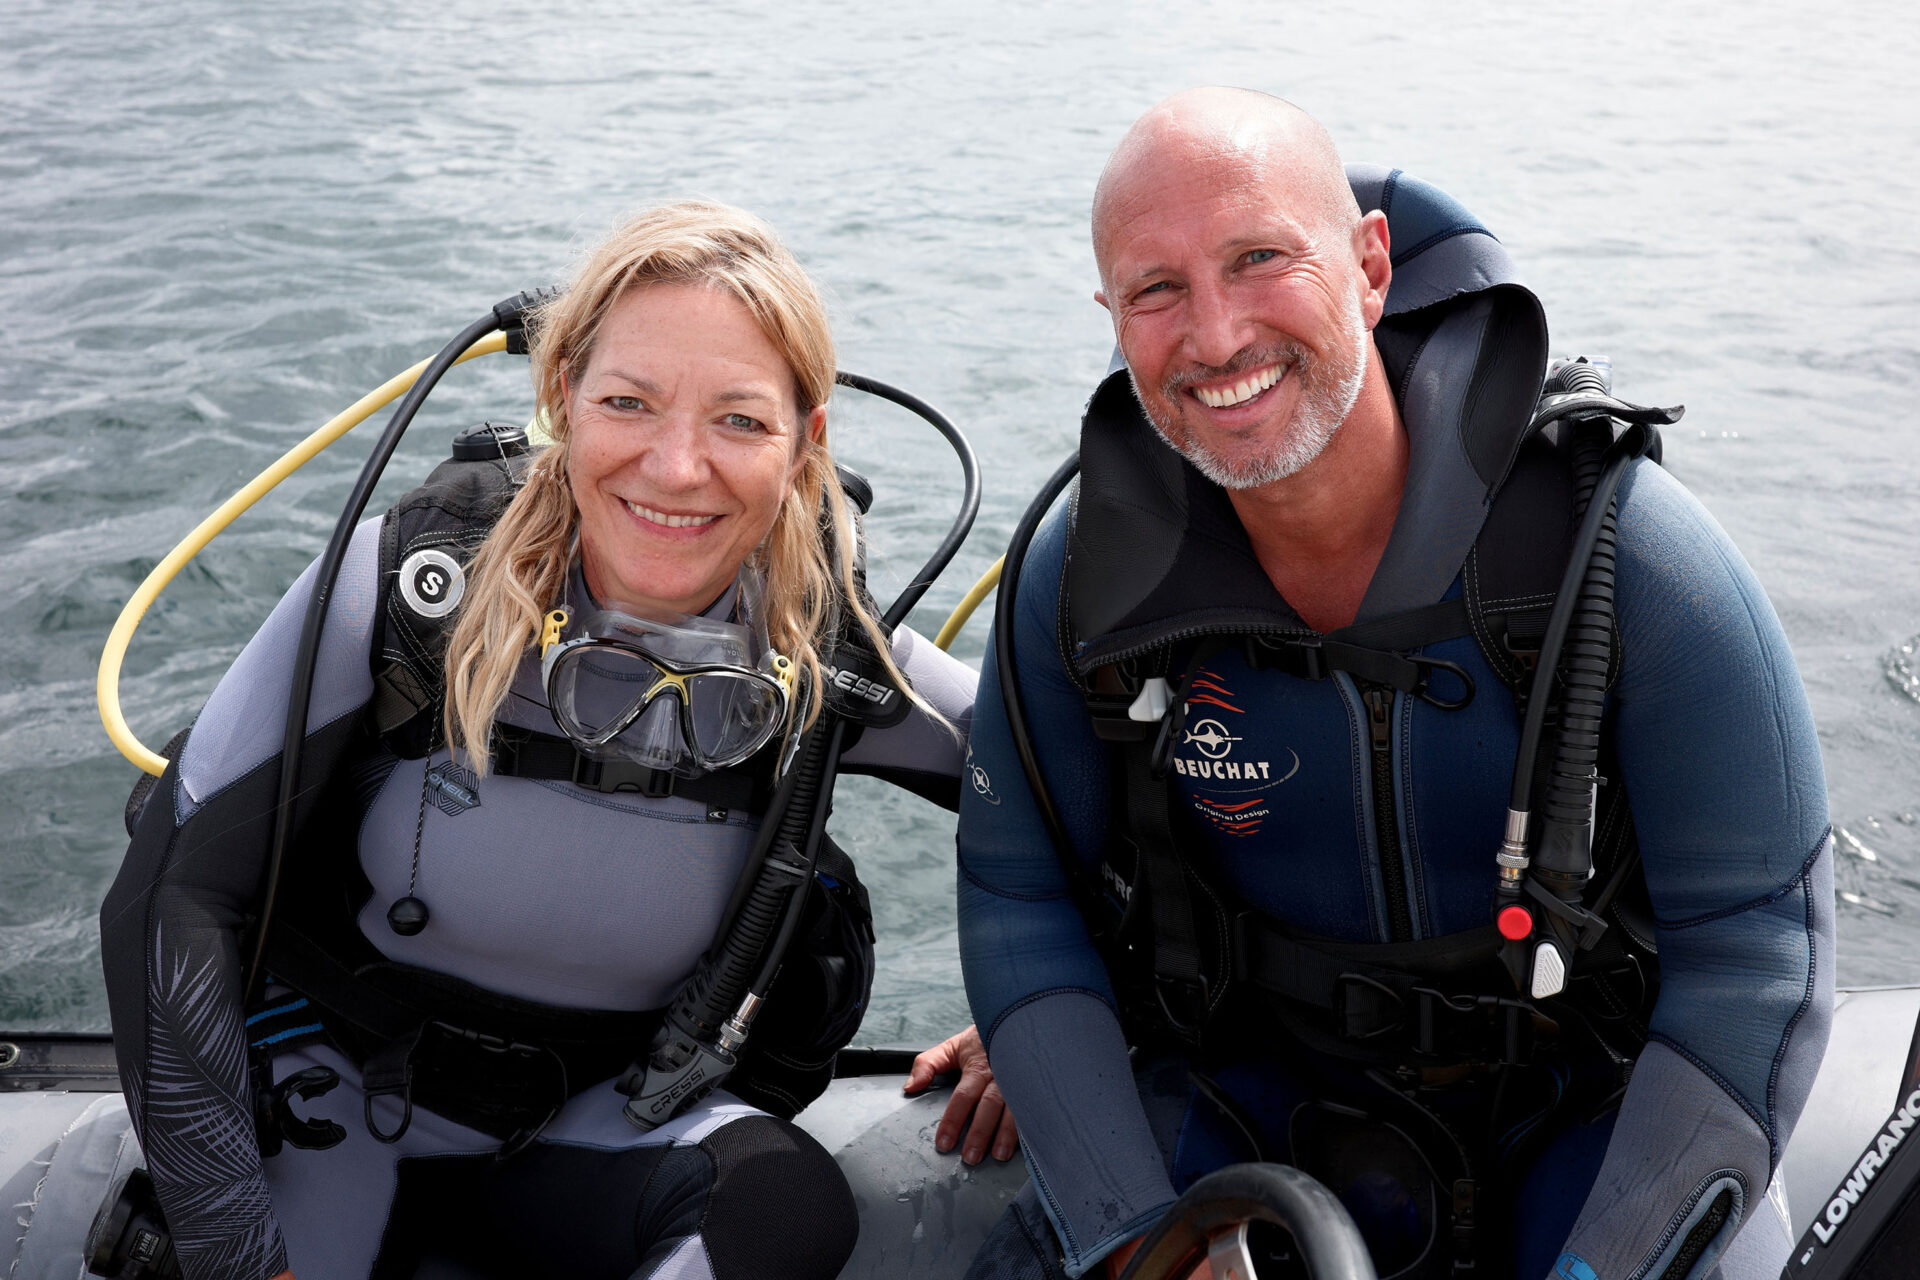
(427, 541)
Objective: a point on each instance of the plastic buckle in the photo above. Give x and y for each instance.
(1516, 1041)
(1160, 762)
(609, 777)
(1197, 991)
(1358, 1006)
(309, 1135)
(1299, 656)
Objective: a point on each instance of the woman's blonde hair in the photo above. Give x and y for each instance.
(808, 557)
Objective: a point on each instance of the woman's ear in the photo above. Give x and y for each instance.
(816, 434)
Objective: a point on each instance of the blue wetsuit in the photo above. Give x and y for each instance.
(1716, 748)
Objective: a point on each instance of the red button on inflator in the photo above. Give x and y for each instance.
(1514, 923)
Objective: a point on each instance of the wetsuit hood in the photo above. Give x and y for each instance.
(1157, 549)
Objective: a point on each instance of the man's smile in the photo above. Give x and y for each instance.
(1246, 389)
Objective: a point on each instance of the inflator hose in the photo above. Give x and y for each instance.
(1631, 445)
(1563, 858)
(505, 315)
(785, 853)
(1213, 1210)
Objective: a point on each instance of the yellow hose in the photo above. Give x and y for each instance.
(107, 687)
(968, 603)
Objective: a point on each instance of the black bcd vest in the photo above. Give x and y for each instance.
(1183, 952)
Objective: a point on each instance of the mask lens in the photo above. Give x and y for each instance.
(732, 716)
(594, 690)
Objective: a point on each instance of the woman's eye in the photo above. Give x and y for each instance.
(741, 422)
(624, 404)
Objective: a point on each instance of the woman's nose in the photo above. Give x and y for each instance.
(676, 458)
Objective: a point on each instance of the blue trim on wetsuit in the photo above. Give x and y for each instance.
(1717, 749)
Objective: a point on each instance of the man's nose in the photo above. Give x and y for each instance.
(1216, 329)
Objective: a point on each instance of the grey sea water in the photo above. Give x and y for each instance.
(221, 223)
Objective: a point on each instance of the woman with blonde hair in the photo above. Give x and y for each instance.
(554, 698)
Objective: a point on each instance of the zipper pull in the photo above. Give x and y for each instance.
(1379, 702)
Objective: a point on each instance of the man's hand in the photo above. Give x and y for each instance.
(976, 1095)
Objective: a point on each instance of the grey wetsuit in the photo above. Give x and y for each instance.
(542, 891)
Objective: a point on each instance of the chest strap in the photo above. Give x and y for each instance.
(526, 753)
(1439, 997)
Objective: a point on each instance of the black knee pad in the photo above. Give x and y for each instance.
(779, 1205)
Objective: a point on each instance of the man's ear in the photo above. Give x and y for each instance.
(1373, 248)
(1100, 296)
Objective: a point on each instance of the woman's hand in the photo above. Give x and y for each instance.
(976, 1095)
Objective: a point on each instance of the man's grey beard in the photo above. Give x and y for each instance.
(1328, 392)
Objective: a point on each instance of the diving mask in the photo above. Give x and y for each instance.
(668, 690)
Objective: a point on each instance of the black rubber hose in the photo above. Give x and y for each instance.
(809, 847)
(969, 499)
(1594, 503)
(1329, 1243)
(1003, 626)
(1563, 856)
(325, 577)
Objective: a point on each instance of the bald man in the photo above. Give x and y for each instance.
(1274, 660)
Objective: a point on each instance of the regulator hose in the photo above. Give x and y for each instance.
(1003, 656)
(969, 497)
(1209, 1223)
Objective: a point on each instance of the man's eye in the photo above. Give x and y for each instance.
(1158, 286)
(1263, 255)
(741, 422)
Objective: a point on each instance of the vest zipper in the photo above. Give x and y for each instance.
(1386, 827)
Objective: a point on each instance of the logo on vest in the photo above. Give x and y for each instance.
(1212, 738)
(455, 790)
(1228, 791)
(982, 784)
(432, 582)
